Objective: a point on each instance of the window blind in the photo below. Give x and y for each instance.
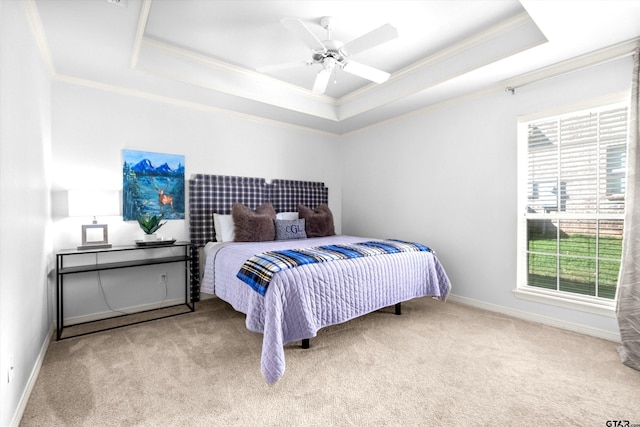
(576, 166)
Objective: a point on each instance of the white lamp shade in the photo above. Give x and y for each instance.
(93, 202)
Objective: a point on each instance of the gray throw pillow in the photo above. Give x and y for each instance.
(287, 229)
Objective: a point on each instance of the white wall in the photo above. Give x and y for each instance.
(25, 237)
(92, 126)
(447, 178)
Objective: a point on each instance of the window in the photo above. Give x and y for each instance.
(571, 192)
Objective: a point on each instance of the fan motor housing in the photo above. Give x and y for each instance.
(334, 50)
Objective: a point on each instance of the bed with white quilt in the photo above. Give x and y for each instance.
(295, 276)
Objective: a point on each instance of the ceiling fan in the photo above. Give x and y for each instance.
(333, 54)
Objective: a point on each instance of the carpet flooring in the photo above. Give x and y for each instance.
(436, 364)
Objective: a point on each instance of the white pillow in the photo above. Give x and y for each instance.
(224, 227)
(287, 215)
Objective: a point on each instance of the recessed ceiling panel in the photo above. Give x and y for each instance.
(249, 34)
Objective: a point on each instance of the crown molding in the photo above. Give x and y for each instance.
(212, 63)
(180, 65)
(145, 9)
(459, 48)
(610, 53)
(490, 46)
(590, 59)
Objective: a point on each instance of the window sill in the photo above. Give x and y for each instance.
(566, 300)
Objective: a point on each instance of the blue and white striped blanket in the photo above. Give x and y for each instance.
(258, 271)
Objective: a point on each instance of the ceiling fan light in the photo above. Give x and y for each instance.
(366, 72)
(329, 63)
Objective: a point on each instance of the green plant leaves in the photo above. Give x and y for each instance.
(151, 223)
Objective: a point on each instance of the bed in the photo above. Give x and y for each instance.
(302, 299)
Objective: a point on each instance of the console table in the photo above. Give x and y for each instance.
(63, 270)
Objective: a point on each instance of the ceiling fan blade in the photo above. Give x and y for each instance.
(366, 72)
(322, 79)
(371, 39)
(283, 66)
(297, 27)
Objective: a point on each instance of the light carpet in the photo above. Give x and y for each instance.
(436, 364)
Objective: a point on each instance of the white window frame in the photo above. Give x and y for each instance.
(523, 291)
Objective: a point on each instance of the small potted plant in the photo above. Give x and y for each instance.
(150, 224)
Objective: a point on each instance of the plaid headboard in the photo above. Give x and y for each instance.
(218, 193)
(285, 195)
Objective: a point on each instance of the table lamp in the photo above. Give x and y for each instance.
(94, 203)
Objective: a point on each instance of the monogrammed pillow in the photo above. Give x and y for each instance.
(287, 229)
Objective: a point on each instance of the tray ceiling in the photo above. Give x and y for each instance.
(207, 53)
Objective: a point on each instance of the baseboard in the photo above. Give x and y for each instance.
(128, 310)
(587, 330)
(33, 377)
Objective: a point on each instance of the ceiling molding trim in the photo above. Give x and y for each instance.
(400, 95)
(478, 39)
(214, 88)
(447, 67)
(459, 48)
(179, 65)
(221, 65)
(33, 16)
(145, 9)
(590, 59)
(200, 72)
(182, 103)
(614, 52)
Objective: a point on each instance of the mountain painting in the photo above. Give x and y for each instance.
(152, 184)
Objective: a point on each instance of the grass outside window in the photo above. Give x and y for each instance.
(582, 264)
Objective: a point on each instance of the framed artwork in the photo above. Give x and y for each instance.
(152, 184)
